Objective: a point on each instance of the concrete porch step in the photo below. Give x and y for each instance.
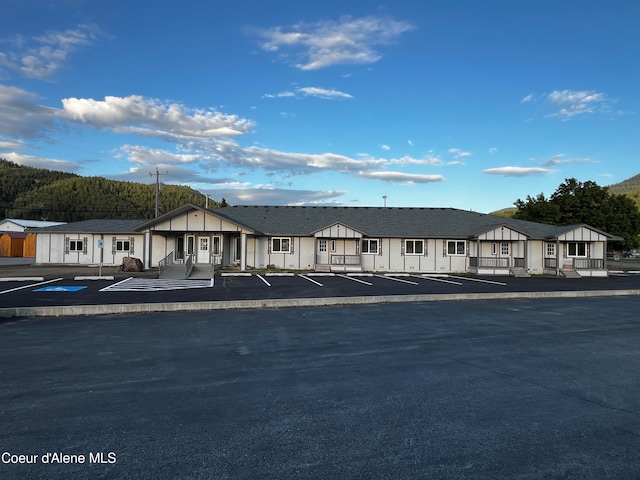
(201, 272)
(519, 272)
(569, 273)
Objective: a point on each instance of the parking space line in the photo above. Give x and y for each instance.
(115, 285)
(263, 279)
(30, 285)
(390, 277)
(354, 279)
(284, 274)
(436, 279)
(310, 279)
(479, 280)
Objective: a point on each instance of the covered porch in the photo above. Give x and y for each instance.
(337, 249)
(500, 251)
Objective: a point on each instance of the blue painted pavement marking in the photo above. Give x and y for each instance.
(59, 288)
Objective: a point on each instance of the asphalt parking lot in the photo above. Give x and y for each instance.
(510, 389)
(83, 291)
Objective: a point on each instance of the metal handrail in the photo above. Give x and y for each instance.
(165, 263)
(188, 265)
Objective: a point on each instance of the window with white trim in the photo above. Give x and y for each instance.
(123, 245)
(551, 249)
(504, 248)
(370, 245)
(322, 245)
(414, 247)
(280, 245)
(456, 247)
(577, 249)
(76, 245)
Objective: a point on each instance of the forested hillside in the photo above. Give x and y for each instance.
(16, 180)
(36, 194)
(629, 187)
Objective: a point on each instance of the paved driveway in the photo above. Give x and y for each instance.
(516, 389)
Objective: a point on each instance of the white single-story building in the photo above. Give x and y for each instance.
(372, 239)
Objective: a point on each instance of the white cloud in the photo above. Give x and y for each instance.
(567, 104)
(327, 43)
(401, 177)
(511, 171)
(458, 154)
(325, 93)
(560, 160)
(41, 57)
(432, 161)
(572, 103)
(21, 117)
(151, 118)
(385, 147)
(41, 162)
(276, 196)
(155, 156)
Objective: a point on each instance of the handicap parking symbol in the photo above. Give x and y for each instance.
(59, 288)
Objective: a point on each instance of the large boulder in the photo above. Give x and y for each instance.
(131, 264)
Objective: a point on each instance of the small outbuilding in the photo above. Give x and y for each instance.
(17, 244)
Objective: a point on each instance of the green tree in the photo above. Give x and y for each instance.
(575, 202)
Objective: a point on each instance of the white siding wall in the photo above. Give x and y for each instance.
(433, 260)
(51, 248)
(301, 258)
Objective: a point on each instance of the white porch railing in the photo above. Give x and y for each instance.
(489, 262)
(345, 259)
(588, 263)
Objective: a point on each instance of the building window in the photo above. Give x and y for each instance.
(216, 246)
(333, 245)
(414, 247)
(504, 248)
(577, 249)
(456, 247)
(551, 249)
(369, 246)
(76, 245)
(280, 245)
(322, 245)
(123, 245)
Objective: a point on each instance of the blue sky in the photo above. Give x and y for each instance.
(465, 104)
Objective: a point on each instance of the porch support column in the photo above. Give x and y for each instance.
(557, 257)
(243, 252)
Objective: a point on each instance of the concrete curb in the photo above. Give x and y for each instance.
(112, 309)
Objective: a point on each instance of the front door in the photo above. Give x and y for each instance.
(203, 250)
(322, 254)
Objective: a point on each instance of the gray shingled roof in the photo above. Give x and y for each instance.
(380, 221)
(93, 226)
(371, 221)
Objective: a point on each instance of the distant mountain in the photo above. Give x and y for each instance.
(629, 184)
(629, 187)
(35, 193)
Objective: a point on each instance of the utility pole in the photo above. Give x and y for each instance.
(157, 174)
